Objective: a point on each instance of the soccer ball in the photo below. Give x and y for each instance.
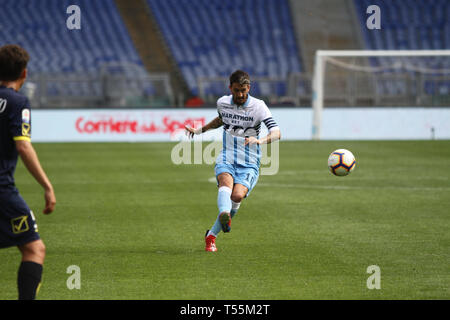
(341, 162)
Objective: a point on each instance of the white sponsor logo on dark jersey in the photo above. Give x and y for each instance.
(2, 105)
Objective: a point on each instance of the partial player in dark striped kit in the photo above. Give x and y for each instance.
(17, 222)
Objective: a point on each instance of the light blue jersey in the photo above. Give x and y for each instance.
(240, 122)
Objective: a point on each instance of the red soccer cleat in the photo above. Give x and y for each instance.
(210, 243)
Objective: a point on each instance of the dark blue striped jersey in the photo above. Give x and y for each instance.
(240, 122)
(15, 124)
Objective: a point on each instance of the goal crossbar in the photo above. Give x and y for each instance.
(379, 53)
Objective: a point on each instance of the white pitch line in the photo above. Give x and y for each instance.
(305, 174)
(303, 186)
(300, 186)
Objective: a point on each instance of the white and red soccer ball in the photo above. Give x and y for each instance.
(341, 162)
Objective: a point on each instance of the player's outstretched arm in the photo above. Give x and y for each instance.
(31, 161)
(214, 124)
(273, 135)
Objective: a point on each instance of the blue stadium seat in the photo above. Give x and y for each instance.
(418, 25)
(40, 27)
(215, 37)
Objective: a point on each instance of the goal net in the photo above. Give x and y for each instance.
(380, 78)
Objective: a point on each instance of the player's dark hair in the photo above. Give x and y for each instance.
(13, 60)
(240, 77)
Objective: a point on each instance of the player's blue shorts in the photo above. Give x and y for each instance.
(247, 176)
(17, 223)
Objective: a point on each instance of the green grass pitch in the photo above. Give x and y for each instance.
(134, 223)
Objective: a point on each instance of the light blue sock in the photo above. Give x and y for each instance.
(224, 199)
(224, 205)
(216, 228)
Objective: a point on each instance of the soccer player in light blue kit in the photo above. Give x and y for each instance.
(237, 166)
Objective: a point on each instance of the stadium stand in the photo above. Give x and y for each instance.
(420, 25)
(31, 23)
(203, 41)
(102, 45)
(212, 38)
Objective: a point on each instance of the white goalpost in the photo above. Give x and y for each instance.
(369, 68)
